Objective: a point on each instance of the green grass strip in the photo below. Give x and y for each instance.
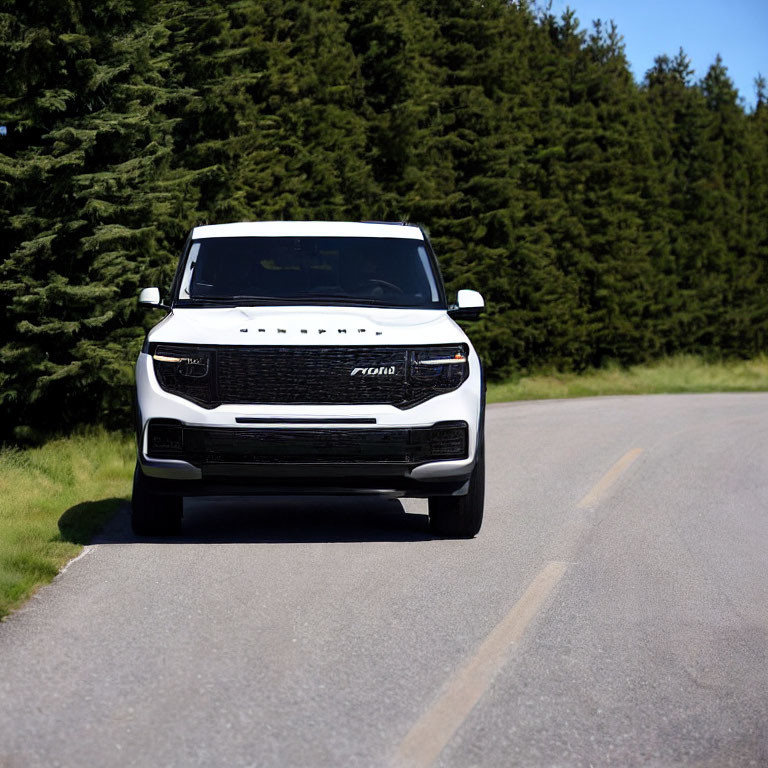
(52, 500)
(684, 373)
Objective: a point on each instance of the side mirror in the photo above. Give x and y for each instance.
(150, 297)
(469, 305)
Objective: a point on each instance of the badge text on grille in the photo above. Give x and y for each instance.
(384, 370)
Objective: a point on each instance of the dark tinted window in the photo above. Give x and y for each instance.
(388, 272)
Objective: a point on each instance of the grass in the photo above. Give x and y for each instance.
(677, 374)
(52, 500)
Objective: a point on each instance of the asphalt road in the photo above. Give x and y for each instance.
(612, 611)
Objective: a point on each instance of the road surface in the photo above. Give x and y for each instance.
(613, 611)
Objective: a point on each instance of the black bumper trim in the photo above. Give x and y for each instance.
(315, 449)
(335, 480)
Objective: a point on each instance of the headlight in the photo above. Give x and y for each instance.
(191, 366)
(185, 370)
(439, 368)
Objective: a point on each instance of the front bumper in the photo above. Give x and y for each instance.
(215, 461)
(305, 479)
(245, 470)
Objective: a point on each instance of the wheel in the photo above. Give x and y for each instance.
(460, 517)
(153, 514)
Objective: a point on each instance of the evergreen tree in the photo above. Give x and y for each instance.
(91, 210)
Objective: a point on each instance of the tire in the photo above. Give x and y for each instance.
(154, 514)
(460, 517)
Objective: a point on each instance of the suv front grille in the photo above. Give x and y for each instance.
(307, 375)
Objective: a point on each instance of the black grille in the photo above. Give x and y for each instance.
(212, 445)
(311, 375)
(307, 375)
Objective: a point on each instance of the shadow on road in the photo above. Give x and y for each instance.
(279, 519)
(79, 523)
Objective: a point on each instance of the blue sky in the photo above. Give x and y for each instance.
(736, 29)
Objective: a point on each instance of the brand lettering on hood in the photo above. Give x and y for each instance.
(383, 370)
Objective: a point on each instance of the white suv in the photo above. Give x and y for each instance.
(306, 358)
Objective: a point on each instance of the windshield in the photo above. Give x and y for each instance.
(382, 272)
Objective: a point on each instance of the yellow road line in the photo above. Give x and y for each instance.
(436, 726)
(606, 482)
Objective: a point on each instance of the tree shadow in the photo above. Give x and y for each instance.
(262, 519)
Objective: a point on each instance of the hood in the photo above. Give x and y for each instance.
(318, 326)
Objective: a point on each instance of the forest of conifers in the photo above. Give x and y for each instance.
(603, 219)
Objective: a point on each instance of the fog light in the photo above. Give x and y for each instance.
(444, 441)
(165, 439)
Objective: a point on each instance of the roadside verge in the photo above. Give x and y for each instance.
(52, 500)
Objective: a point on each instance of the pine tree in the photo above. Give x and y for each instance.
(92, 210)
